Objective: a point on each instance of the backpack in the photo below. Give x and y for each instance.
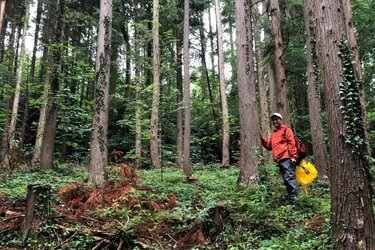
(301, 147)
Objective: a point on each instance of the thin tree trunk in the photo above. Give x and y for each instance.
(5, 140)
(154, 144)
(179, 81)
(42, 120)
(99, 135)
(2, 40)
(270, 63)
(13, 119)
(138, 109)
(16, 99)
(224, 102)
(281, 85)
(319, 146)
(232, 52)
(44, 99)
(2, 14)
(262, 88)
(26, 118)
(187, 129)
(205, 70)
(36, 38)
(211, 36)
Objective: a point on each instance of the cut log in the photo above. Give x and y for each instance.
(37, 209)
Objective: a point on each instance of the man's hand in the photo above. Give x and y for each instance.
(262, 138)
(294, 161)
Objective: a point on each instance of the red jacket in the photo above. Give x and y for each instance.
(282, 144)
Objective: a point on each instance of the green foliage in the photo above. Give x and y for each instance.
(16, 187)
(259, 217)
(350, 103)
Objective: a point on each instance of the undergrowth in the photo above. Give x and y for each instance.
(256, 217)
(260, 216)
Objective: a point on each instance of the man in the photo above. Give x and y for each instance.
(284, 152)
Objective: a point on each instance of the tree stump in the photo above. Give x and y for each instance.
(37, 209)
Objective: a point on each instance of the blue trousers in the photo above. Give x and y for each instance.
(288, 172)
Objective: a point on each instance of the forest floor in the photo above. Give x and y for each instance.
(161, 209)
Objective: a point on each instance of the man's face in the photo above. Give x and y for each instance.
(276, 122)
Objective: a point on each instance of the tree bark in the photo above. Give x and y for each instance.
(37, 209)
(179, 82)
(187, 129)
(223, 94)
(205, 70)
(2, 14)
(48, 140)
(20, 69)
(248, 109)
(154, 143)
(262, 88)
(138, 110)
(99, 135)
(36, 38)
(44, 76)
(280, 78)
(5, 139)
(211, 36)
(316, 125)
(352, 217)
(42, 120)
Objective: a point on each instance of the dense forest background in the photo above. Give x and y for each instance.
(185, 85)
(78, 76)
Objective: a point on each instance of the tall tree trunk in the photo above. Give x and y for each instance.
(353, 222)
(280, 78)
(272, 86)
(248, 110)
(48, 140)
(224, 102)
(2, 41)
(2, 14)
(232, 51)
(26, 113)
(205, 70)
(262, 88)
(319, 146)
(42, 119)
(5, 140)
(138, 109)
(36, 37)
(125, 33)
(154, 144)
(179, 81)
(17, 91)
(187, 129)
(211, 36)
(99, 135)
(270, 76)
(44, 76)
(25, 120)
